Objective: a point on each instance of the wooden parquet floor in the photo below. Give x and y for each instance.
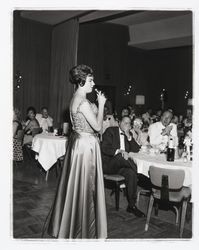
(33, 197)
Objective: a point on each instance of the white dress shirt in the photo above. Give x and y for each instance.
(155, 136)
(44, 122)
(122, 143)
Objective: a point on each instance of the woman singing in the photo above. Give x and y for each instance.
(79, 209)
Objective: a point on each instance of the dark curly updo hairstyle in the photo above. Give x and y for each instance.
(78, 74)
(31, 109)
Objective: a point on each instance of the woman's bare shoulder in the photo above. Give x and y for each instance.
(76, 102)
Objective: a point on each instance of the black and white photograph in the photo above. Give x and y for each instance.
(103, 124)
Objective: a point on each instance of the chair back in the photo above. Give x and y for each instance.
(36, 131)
(159, 175)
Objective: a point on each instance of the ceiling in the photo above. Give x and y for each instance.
(147, 16)
(177, 25)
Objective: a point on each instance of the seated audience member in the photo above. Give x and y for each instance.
(146, 117)
(17, 136)
(45, 121)
(159, 132)
(108, 121)
(130, 108)
(171, 110)
(180, 127)
(175, 119)
(158, 115)
(132, 115)
(125, 112)
(187, 121)
(138, 134)
(180, 121)
(131, 112)
(188, 135)
(31, 124)
(116, 144)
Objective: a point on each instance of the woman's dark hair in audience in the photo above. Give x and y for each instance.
(170, 110)
(145, 126)
(115, 115)
(17, 113)
(125, 112)
(31, 109)
(78, 74)
(159, 112)
(28, 110)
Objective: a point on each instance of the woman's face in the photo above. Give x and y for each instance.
(89, 84)
(31, 115)
(137, 124)
(125, 112)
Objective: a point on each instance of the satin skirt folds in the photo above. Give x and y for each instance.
(79, 209)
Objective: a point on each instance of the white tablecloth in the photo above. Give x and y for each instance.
(144, 161)
(49, 148)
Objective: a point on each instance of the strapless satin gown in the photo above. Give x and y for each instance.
(79, 209)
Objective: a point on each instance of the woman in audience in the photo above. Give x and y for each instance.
(175, 119)
(139, 136)
(180, 121)
(146, 117)
(188, 119)
(17, 136)
(79, 209)
(125, 112)
(132, 114)
(158, 115)
(30, 126)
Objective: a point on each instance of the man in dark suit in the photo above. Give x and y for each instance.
(116, 143)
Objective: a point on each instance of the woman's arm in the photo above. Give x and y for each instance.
(31, 125)
(15, 126)
(27, 127)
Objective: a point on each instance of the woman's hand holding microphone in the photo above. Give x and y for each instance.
(100, 97)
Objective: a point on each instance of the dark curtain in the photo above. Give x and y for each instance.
(32, 51)
(63, 57)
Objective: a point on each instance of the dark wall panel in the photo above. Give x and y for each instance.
(104, 48)
(151, 71)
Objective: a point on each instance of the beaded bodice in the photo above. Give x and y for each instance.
(79, 121)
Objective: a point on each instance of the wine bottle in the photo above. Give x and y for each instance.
(170, 150)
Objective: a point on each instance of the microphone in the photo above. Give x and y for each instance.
(96, 90)
(99, 91)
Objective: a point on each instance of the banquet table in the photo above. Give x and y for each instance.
(145, 160)
(49, 148)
